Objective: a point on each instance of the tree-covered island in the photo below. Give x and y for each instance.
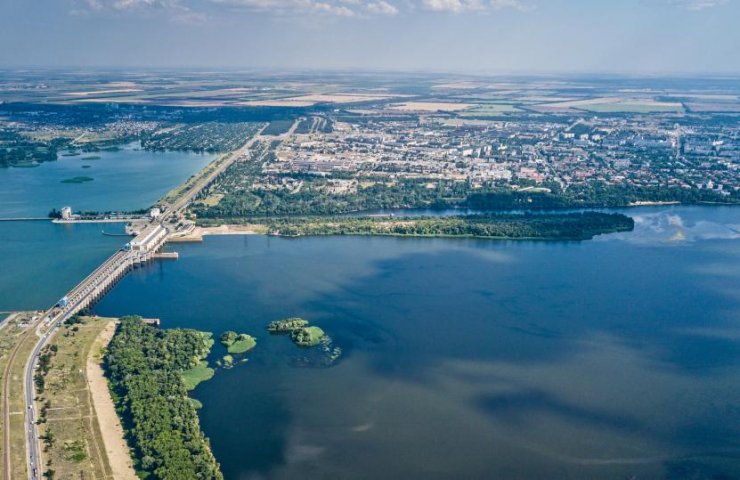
(237, 343)
(299, 330)
(307, 336)
(546, 226)
(287, 325)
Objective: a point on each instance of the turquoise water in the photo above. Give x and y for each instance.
(614, 358)
(128, 179)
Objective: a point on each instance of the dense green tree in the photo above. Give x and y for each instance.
(144, 365)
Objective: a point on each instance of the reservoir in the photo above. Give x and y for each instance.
(126, 179)
(612, 358)
(40, 261)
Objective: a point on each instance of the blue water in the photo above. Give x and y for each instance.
(614, 358)
(128, 179)
(40, 261)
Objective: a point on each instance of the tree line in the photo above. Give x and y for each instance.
(558, 226)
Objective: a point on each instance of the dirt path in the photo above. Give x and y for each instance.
(110, 426)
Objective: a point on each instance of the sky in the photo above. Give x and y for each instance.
(464, 36)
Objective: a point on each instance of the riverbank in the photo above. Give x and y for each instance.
(197, 233)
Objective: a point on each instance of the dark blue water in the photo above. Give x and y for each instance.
(615, 358)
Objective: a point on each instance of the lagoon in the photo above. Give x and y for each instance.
(610, 358)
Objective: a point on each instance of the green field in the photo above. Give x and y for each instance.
(632, 108)
(489, 110)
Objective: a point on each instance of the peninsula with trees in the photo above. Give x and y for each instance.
(145, 366)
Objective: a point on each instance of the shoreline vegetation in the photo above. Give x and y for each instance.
(510, 226)
(568, 226)
(237, 202)
(145, 367)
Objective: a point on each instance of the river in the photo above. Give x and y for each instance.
(612, 358)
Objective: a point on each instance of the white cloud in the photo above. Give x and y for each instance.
(337, 8)
(702, 4)
(457, 6)
(693, 4)
(381, 7)
(175, 10)
(198, 11)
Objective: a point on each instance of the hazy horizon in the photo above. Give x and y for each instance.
(487, 37)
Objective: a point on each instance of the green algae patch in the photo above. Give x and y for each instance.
(237, 343)
(243, 343)
(199, 373)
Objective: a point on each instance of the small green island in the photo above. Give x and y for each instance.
(307, 336)
(237, 343)
(287, 325)
(78, 180)
(91, 157)
(300, 332)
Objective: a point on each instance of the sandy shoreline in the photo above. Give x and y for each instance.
(111, 430)
(197, 234)
(652, 204)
